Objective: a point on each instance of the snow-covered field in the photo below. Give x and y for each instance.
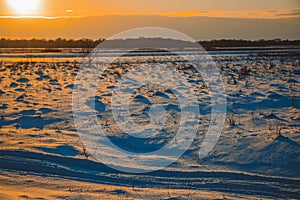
(257, 155)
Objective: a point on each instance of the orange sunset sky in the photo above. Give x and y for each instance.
(201, 19)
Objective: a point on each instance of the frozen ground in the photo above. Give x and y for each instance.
(257, 155)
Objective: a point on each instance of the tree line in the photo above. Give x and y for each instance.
(249, 43)
(51, 43)
(89, 43)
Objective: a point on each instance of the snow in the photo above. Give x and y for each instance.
(257, 155)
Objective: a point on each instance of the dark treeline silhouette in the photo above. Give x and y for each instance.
(43, 43)
(88, 43)
(249, 43)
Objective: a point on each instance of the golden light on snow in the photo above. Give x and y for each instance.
(24, 7)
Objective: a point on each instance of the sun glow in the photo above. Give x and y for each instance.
(24, 7)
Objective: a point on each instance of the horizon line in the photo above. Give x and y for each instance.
(139, 15)
(28, 38)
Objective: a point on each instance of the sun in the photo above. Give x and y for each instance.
(24, 7)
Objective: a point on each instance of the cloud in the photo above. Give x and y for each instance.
(253, 14)
(288, 13)
(244, 14)
(37, 17)
(199, 28)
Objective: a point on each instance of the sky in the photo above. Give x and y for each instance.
(217, 8)
(49, 18)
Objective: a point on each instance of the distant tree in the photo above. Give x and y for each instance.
(88, 43)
